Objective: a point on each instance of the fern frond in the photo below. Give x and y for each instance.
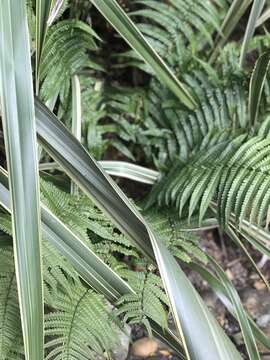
(11, 344)
(80, 328)
(169, 26)
(5, 224)
(71, 211)
(180, 243)
(88, 222)
(98, 135)
(58, 274)
(75, 310)
(233, 174)
(64, 54)
(147, 303)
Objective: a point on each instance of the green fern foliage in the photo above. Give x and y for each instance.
(98, 134)
(64, 54)
(220, 108)
(80, 328)
(147, 303)
(11, 345)
(234, 175)
(182, 244)
(72, 211)
(88, 222)
(171, 27)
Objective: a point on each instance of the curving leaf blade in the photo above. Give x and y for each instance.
(239, 311)
(256, 10)
(43, 9)
(221, 291)
(17, 104)
(128, 30)
(256, 85)
(236, 11)
(197, 326)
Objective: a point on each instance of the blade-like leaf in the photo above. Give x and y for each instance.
(76, 117)
(17, 106)
(264, 17)
(130, 171)
(118, 168)
(89, 176)
(56, 10)
(197, 322)
(256, 85)
(239, 310)
(253, 17)
(43, 8)
(239, 243)
(222, 293)
(236, 11)
(196, 325)
(128, 30)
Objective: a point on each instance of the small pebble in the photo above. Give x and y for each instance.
(164, 352)
(144, 347)
(259, 285)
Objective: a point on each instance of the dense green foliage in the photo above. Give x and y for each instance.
(213, 160)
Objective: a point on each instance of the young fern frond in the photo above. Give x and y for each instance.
(147, 303)
(80, 328)
(64, 54)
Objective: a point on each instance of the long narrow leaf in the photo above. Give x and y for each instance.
(43, 8)
(128, 30)
(256, 85)
(198, 322)
(240, 313)
(253, 17)
(220, 290)
(202, 334)
(236, 11)
(20, 138)
(239, 243)
(76, 117)
(264, 17)
(89, 176)
(118, 168)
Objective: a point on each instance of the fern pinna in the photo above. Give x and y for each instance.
(80, 327)
(148, 302)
